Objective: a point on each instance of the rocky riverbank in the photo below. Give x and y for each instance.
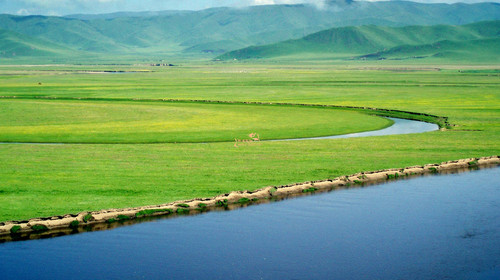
(72, 223)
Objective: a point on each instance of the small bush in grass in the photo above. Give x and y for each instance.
(473, 163)
(123, 217)
(39, 228)
(182, 211)
(15, 229)
(392, 176)
(183, 205)
(433, 169)
(74, 224)
(312, 189)
(147, 212)
(110, 221)
(243, 200)
(142, 213)
(202, 207)
(168, 211)
(88, 217)
(221, 203)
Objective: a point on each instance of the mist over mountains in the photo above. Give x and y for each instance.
(212, 32)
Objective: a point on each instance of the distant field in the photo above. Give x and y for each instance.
(62, 121)
(42, 180)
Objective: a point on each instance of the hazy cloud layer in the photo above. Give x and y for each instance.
(64, 7)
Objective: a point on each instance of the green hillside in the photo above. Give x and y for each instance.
(72, 33)
(16, 45)
(473, 50)
(212, 32)
(378, 42)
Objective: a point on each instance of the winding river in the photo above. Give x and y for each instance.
(400, 126)
(443, 226)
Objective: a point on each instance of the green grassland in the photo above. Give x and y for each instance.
(55, 121)
(42, 180)
(479, 50)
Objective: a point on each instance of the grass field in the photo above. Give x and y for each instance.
(42, 180)
(66, 121)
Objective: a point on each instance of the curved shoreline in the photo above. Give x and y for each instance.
(441, 122)
(397, 128)
(70, 223)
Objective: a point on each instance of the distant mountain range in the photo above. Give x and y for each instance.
(212, 32)
(476, 40)
(13, 44)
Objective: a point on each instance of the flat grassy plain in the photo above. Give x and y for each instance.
(43, 180)
(104, 122)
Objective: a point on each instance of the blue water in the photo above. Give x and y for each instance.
(433, 227)
(400, 126)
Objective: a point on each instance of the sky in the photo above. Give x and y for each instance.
(65, 7)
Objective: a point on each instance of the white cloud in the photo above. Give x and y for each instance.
(64, 7)
(61, 7)
(264, 2)
(322, 3)
(317, 3)
(276, 2)
(22, 12)
(58, 2)
(68, 3)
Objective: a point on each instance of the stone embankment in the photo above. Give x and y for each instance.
(72, 222)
